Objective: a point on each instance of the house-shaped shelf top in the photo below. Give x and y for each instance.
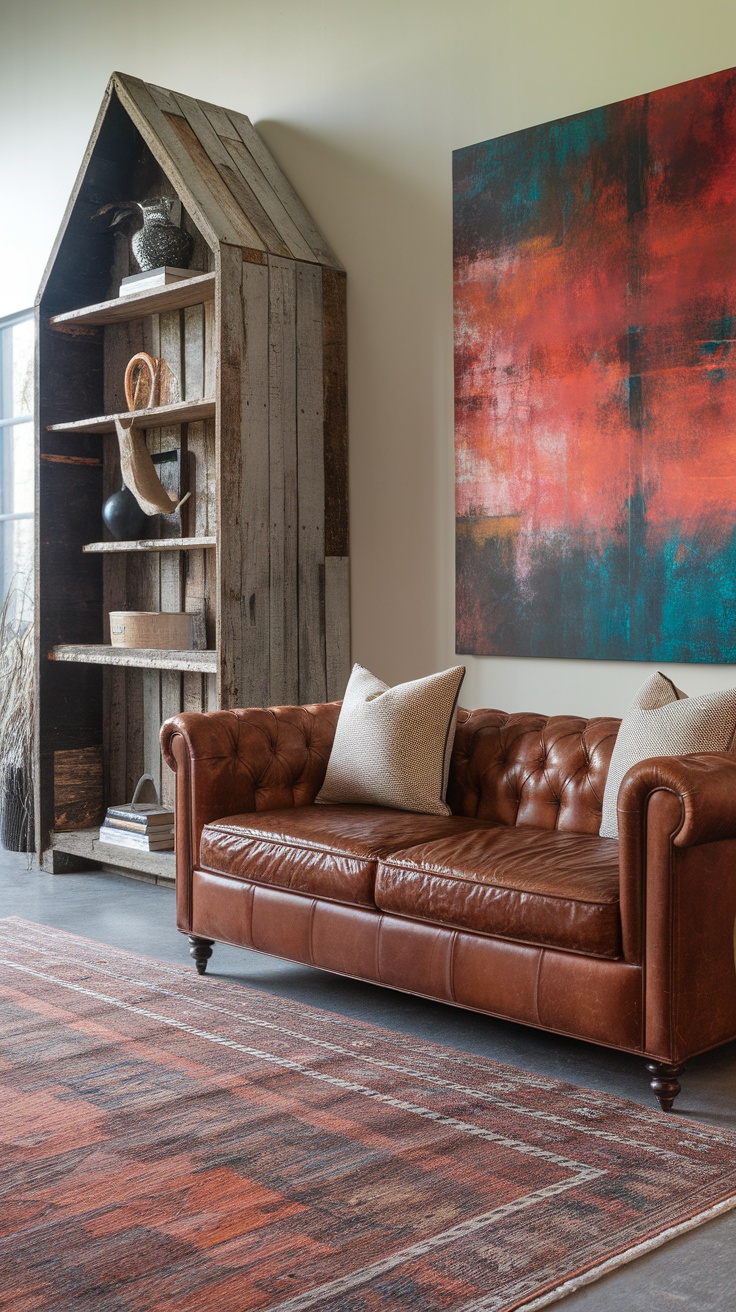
(255, 433)
(214, 162)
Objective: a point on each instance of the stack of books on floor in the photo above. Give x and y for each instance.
(147, 828)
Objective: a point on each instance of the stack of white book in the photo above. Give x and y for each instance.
(146, 281)
(147, 828)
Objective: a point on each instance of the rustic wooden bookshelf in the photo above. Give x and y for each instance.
(255, 339)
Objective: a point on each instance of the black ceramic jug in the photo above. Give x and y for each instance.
(124, 517)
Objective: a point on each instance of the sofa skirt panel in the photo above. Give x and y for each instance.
(587, 998)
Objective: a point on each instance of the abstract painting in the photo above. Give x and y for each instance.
(595, 382)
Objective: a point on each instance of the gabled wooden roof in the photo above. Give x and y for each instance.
(223, 172)
(218, 165)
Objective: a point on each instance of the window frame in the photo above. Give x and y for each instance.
(8, 420)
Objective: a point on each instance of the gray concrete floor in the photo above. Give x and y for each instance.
(697, 1271)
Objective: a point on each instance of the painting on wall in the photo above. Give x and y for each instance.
(595, 382)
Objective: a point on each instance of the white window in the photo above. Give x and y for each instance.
(16, 454)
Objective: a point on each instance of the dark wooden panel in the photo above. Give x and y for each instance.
(334, 341)
(78, 789)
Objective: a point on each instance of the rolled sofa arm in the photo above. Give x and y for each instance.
(677, 851)
(233, 762)
(666, 804)
(705, 785)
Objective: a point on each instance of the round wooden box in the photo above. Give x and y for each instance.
(162, 630)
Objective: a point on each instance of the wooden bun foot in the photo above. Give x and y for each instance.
(200, 949)
(664, 1082)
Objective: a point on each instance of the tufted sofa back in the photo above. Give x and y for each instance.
(526, 769)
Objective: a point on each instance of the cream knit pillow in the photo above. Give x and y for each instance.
(663, 721)
(393, 745)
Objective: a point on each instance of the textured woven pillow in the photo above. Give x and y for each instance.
(663, 721)
(393, 745)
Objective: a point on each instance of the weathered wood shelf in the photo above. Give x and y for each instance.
(255, 338)
(85, 843)
(175, 296)
(152, 544)
(182, 412)
(139, 658)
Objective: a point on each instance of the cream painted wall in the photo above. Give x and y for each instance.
(362, 102)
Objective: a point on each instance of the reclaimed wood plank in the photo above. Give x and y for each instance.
(171, 704)
(85, 843)
(294, 243)
(311, 476)
(134, 767)
(266, 234)
(211, 350)
(265, 161)
(163, 98)
(337, 625)
(151, 544)
(220, 193)
(146, 658)
(284, 511)
(334, 347)
(192, 692)
(114, 733)
(152, 726)
(181, 412)
(229, 476)
(212, 699)
(124, 309)
(195, 594)
(78, 788)
(193, 386)
(193, 353)
(254, 489)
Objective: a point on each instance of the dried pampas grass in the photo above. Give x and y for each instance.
(17, 719)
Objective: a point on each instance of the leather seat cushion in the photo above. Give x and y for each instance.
(537, 886)
(326, 851)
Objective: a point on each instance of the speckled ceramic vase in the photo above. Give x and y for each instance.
(159, 241)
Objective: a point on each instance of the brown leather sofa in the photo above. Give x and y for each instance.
(512, 906)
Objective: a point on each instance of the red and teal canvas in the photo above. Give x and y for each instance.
(595, 382)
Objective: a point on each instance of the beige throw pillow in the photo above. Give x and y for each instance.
(393, 745)
(663, 721)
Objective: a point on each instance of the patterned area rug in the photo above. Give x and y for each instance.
(170, 1141)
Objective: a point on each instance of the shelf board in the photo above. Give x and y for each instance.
(153, 544)
(174, 296)
(141, 658)
(182, 412)
(86, 843)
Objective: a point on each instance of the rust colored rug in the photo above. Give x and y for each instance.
(172, 1142)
